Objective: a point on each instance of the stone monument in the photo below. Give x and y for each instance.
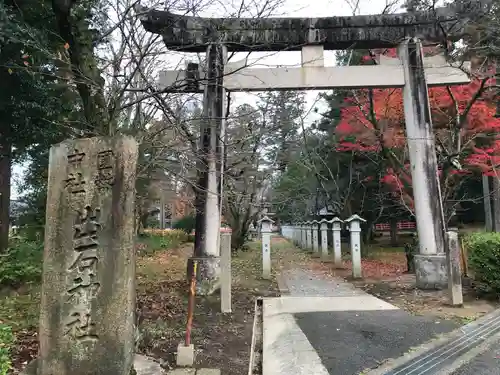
(88, 294)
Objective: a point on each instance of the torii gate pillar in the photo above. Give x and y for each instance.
(210, 168)
(430, 263)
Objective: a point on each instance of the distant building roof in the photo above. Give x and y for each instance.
(327, 210)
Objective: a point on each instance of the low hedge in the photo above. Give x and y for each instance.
(484, 260)
(186, 223)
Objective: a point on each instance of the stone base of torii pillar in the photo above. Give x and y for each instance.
(208, 274)
(430, 271)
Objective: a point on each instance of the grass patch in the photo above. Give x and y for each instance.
(151, 242)
(468, 319)
(246, 267)
(154, 334)
(6, 341)
(167, 265)
(385, 254)
(22, 263)
(21, 310)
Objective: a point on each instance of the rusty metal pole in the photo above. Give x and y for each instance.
(191, 302)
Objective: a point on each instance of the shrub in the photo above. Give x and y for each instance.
(6, 340)
(484, 260)
(153, 222)
(186, 224)
(32, 233)
(21, 263)
(157, 239)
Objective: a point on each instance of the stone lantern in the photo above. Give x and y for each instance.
(337, 241)
(266, 229)
(354, 223)
(323, 226)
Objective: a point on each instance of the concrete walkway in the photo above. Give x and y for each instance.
(326, 326)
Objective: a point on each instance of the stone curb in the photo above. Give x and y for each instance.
(392, 364)
(282, 286)
(256, 317)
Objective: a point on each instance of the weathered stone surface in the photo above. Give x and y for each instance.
(88, 292)
(208, 371)
(147, 366)
(185, 355)
(193, 34)
(209, 173)
(422, 151)
(225, 274)
(207, 274)
(183, 371)
(430, 271)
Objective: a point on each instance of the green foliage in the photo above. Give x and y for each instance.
(152, 222)
(484, 260)
(37, 103)
(186, 224)
(155, 240)
(21, 264)
(6, 340)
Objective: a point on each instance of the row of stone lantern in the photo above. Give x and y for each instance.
(306, 235)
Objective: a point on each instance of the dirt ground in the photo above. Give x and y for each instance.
(401, 291)
(221, 340)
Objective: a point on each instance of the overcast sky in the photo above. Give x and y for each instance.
(291, 8)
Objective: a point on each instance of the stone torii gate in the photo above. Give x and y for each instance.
(312, 36)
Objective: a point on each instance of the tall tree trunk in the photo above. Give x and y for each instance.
(488, 219)
(74, 28)
(238, 237)
(394, 231)
(5, 180)
(496, 203)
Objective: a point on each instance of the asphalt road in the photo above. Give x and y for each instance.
(349, 342)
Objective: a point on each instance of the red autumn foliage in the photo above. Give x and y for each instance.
(464, 123)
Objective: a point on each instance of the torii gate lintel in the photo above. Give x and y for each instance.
(193, 34)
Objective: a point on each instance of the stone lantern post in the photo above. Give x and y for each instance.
(337, 242)
(324, 237)
(265, 230)
(354, 223)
